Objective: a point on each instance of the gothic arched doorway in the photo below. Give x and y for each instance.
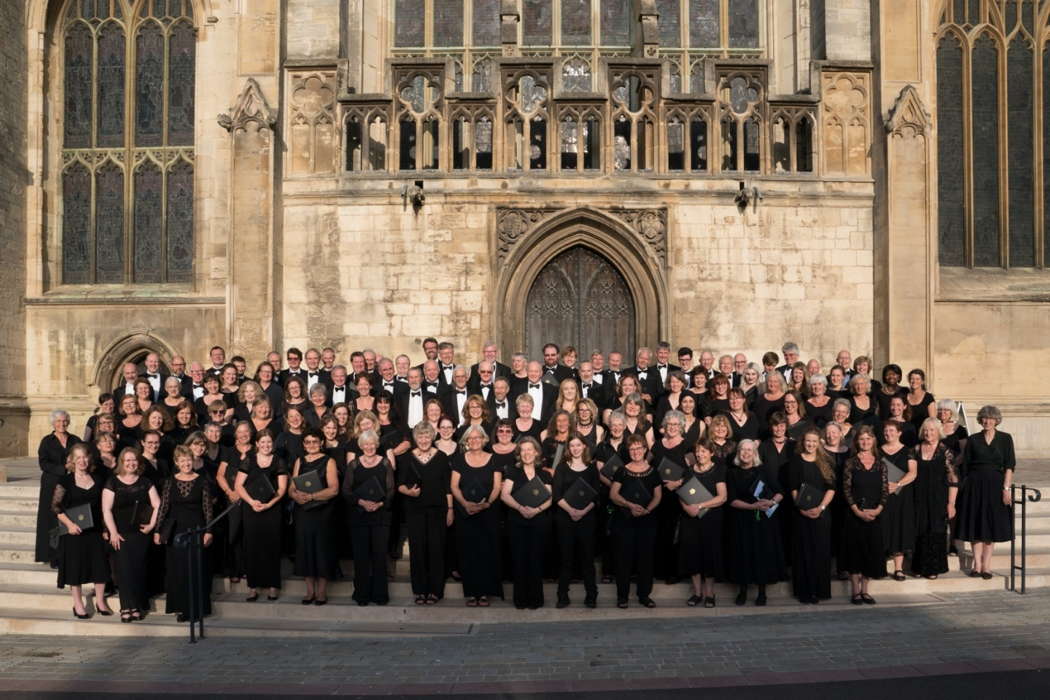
(580, 298)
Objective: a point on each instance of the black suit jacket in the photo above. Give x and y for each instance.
(651, 384)
(159, 393)
(349, 395)
(512, 412)
(284, 374)
(597, 392)
(561, 372)
(451, 405)
(550, 394)
(445, 383)
(474, 387)
(401, 403)
(502, 370)
(399, 389)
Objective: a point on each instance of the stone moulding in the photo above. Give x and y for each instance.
(251, 107)
(513, 224)
(908, 112)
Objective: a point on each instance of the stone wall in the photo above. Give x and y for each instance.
(13, 179)
(312, 28)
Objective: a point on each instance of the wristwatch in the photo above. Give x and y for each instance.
(822, 507)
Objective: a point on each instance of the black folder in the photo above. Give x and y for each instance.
(809, 497)
(310, 482)
(371, 490)
(260, 488)
(533, 493)
(581, 494)
(670, 470)
(611, 466)
(636, 492)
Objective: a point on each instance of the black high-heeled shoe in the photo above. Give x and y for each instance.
(85, 616)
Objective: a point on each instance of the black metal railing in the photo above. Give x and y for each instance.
(193, 542)
(1021, 496)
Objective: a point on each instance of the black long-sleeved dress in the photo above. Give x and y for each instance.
(811, 562)
(980, 513)
(863, 547)
(935, 476)
(184, 505)
(51, 455)
(131, 510)
(757, 553)
(81, 558)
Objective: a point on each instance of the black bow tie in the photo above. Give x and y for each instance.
(448, 366)
(338, 388)
(388, 384)
(551, 369)
(661, 367)
(501, 404)
(416, 393)
(313, 374)
(534, 386)
(196, 386)
(152, 376)
(586, 386)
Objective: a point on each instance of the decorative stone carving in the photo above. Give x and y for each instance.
(846, 116)
(312, 134)
(508, 27)
(251, 107)
(908, 114)
(514, 223)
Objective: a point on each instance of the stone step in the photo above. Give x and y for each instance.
(19, 490)
(17, 518)
(23, 554)
(17, 535)
(19, 504)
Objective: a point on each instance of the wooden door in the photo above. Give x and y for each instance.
(580, 299)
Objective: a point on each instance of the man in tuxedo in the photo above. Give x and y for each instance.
(707, 361)
(725, 366)
(543, 394)
(359, 367)
(178, 370)
(499, 399)
(370, 361)
(274, 358)
(739, 365)
(663, 363)
(154, 375)
(295, 369)
(328, 359)
(611, 375)
(489, 353)
(482, 383)
(446, 362)
(218, 360)
(128, 374)
(455, 395)
(339, 391)
(195, 389)
(551, 366)
(241, 365)
(402, 364)
(412, 400)
(430, 351)
(591, 389)
(845, 357)
(431, 378)
(648, 377)
(314, 373)
(790, 353)
(388, 380)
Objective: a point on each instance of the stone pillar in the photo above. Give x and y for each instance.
(250, 291)
(508, 27)
(648, 42)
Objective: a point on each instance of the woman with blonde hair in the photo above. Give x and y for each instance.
(130, 508)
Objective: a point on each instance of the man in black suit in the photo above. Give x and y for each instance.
(195, 388)
(314, 372)
(543, 394)
(648, 378)
(431, 378)
(790, 353)
(410, 405)
(128, 374)
(481, 379)
(294, 356)
(499, 402)
(388, 381)
(707, 361)
(739, 365)
(446, 363)
(663, 363)
(178, 370)
(430, 351)
(611, 375)
(590, 389)
(455, 396)
(154, 375)
(218, 360)
(489, 353)
(551, 366)
(339, 391)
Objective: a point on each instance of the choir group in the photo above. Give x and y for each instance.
(751, 473)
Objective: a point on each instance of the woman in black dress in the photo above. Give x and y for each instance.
(745, 423)
(81, 552)
(289, 442)
(837, 383)
(756, 554)
(898, 517)
(865, 489)
(812, 468)
(315, 552)
(636, 418)
(838, 449)
(675, 387)
(185, 422)
(529, 525)
(317, 406)
(52, 457)
(211, 395)
(985, 505)
(770, 397)
(700, 529)
(717, 402)
(634, 523)
(261, 517)
(554, 439)
(423, 480)
(477, 521)
(899, 411)
(891, 387)
(863, 408)
(615, 443)
(130, 508)
(107, 405)
(819, 404)
(185, 504)
(795, 415)
(587, 426)
(936, 488)
(671, 446)
(576, 528)
(920, 402)
(445, 431)
(295, 396)
(230, 530)
(693, 428)
(369, 519)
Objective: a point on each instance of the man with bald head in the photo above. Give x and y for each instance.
(489, 353)
(154, 375)
(128, 374)
(432, 377)
(543, 394)
(482, 378)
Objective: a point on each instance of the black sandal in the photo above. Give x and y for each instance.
(307, 601)
(709, 602)
(125, 616)
(421, 600)
(252, 598)
(868, 600)
(898, 575)
(137, 615)
(857, 599)
(694, 601)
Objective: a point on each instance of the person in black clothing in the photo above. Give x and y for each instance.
(576, 528)
(529, 526)
(316, 557)
(936, 487)
(757, 554)
(477, 522)
(231, 533)
(634, 525)
(52, 455)
(985, 505)
(369, 520)
(812, 468)
(130, 509)
(261, 519)
(700, 528)
(890, 388)
(865, 489)
(81, 552)
(671, 446)
(423, 480)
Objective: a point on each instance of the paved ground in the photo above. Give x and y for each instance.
(984, 633)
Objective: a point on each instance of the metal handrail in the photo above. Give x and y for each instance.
(1020, 495)
(193, 541)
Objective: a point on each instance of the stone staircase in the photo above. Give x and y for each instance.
(31, 604)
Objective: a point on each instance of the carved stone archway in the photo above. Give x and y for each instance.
(125, 349)
(633, 240)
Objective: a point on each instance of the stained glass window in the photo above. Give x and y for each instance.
(127, 189)
(536, 22)
(951, 211)
(448, 22)
(1019, 121)
(704, 23)
(670, 23)
(743, 24)
(615, 24)
(986, 152)
(408, 23)
(486, 23)
(576, 22)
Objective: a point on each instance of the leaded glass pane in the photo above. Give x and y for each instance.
(616, 28)
(576, 75)
(486, 23)
(111, 85)
(576, 22)
(109, 224)
(670, 23)
(448, 22)
(408, 22)
(951, 212)
(1020, 119)
(986, 152)
(180, 222)
(147, 223)
(181, 70)
(76, 223)
(743, 24)
(1046, 156)
(78, 70)
(149, 85)
(536, 22)
(704, 26)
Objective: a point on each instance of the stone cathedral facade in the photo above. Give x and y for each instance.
(724, 174)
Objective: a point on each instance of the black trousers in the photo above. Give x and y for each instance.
(427, 535)
(576, 541)
(528, 539)
(635, 542)
(370, 542)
